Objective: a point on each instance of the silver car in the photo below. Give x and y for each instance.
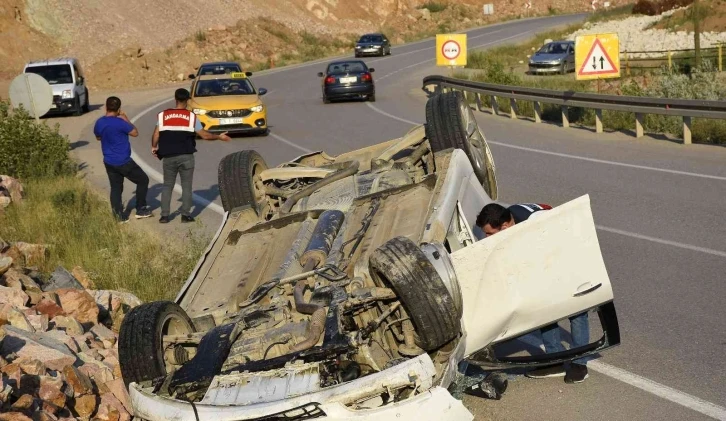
(553, 57)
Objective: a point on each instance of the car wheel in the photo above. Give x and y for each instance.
(372, 97)
(77, 107)
(86, 104)
(401, 265)
(140, 341)
(236, 176)
(563, 68)
(450, 123)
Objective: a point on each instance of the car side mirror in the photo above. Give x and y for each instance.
(248, 73)
(79, 81)
(371, 70)
(192, 76)
(261, 91)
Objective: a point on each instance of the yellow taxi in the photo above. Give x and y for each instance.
(229, 103)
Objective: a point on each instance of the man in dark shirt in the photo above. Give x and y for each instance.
(174, 142)
(495, 218)
(113, 131)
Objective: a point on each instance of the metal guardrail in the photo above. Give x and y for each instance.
(686, 108)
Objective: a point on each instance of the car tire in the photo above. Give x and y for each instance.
(401, 265)
(77, 107)
(235, 177)
(326, 100)
(450, 123)
(563, 69)
(140, 346)
(86, 104)
(372, 97)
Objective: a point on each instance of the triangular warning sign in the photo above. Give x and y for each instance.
(597, 62)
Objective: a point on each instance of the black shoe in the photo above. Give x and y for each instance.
(576, 374)
(144, 212)
(122, 220)
(543, 373)
(164, 220)
(186, 218)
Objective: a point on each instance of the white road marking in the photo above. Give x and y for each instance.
(602, 161)
(600, 227)
(289, 143)
(661, 390)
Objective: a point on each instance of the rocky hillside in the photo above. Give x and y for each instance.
(137, 43)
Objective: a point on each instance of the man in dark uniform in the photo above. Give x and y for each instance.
(494, 218)
(174, 142)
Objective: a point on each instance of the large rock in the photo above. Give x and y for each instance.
(105, 335)
(79, 304)
(9, 314)
(51, 390)
(13, 296)
(49, 307)
(54, 354)
(16, 279)
(11, 187)
(78, 382)
(62, 279)
(68, 324)
(118, 389)
(6, 262)
(84, 406)
(33, 253)
(25, 403)
(112, 409)
(82, 277)
(31, 366)
(14, 416)
(39, 322)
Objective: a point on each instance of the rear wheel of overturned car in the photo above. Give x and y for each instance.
(400, 264)
(450, 123)
(141, 349)
(238, 178)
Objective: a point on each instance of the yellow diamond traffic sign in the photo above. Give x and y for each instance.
(597, 56)
(451, 49)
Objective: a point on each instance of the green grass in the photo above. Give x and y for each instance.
(200, 36)
(78, 226)
(434, 6)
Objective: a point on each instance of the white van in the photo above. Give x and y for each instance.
(65, 76)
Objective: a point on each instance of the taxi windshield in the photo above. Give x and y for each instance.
(217, 87)
(219, 69)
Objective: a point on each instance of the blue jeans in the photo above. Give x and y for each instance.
(580, 330)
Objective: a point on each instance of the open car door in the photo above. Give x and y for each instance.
(532, 275)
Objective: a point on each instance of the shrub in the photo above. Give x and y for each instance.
(645, 7)
(434, 6)
(31, 150)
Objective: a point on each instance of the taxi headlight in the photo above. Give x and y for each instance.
(199, 111)
(257, 108)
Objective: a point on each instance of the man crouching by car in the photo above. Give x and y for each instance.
(494, 218)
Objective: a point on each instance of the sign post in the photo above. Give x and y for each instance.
(597, 57)
(451, 50)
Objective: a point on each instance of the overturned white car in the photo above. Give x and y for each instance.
(351, 287)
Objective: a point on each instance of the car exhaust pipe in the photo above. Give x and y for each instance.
(322, 238)
(315, 330)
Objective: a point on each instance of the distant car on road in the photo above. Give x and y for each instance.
(373, 45)
(348, 79)
(229, 103)
(218, 68)
(65, 77)
(553, 57)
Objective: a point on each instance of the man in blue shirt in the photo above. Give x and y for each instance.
(113, 131)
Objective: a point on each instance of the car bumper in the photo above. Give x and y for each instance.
(351, 91)
(255, 122)
(436, 403)
(60, 106)
(369, 51)
(545, 68)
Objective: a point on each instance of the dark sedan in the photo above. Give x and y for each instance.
(347, 80)
(373, 45)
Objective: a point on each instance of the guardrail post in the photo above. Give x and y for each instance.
(687, 134)
(495, 105)
(670, 60)
(478, 101)
(720, 68)
(598, 121)
(537, 112)
(565, 116)
(639, 120)
(513, 108)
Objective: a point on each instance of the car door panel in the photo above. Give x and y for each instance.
(537, 272)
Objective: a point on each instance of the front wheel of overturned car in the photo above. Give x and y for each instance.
(238, 178)
(141, 347)
(450, 123)
(400, 264)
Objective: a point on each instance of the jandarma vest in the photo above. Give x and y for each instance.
(176, 133)
(522, 211)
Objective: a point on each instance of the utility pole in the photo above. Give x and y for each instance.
(696, 15)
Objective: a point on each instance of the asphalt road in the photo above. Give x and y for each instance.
(658, 204)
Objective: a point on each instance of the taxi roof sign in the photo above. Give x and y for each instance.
(240, 75)
(597, 56)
